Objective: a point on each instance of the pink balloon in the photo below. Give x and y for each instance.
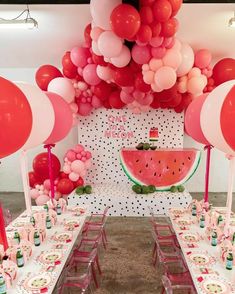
(141, 55)
(78, 148)
(203, 58)
(63, 118)
(47, 184)
(158, 52)
(156, 41)
(66, 169)
(88, 155)
(187, 60)
(79, 156)
(172, 58)
(71, 155)
(73, 106)
(90, 76)
(146, 100)
(84, 109)
(165, 77)
(123, 59)
(104, 72)
(42, 199)
(155, 64)
(73, 176)
(109, 44)
(83, 173)
(79, 56)
(196, 85)
(77, 166)
(83, 153)
(62, 87)
(34, 193)
(83, 159)
(95, 33)
(192, 119)
(138, 95)
(126, 98)
(96, 102)
(88, 164)
(148, 77)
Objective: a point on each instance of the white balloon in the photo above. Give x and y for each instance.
(210, 117)
(43, 115)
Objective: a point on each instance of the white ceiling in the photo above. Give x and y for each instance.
(61, 28)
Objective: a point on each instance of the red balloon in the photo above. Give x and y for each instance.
(140, 84)
(78, 183)
(175, 4)
(65, 186)
(146, 15)
(63, 175)
(87, 34)
(175, 101)
(34, 179)
(144, 34)
(166, 95)
(102, 90)
(162, 10)
(146, 2)
(45, 74)
(156, 103)
(40, 165)
(156, 28)
(224, 71)
(115, 100)
(227, 115)
(106, 104)
(15, 118)
(186, 100)
(168, 28)
(124, 77)
(135, 67)
(69, 69)
(99, 60)
(125, 21)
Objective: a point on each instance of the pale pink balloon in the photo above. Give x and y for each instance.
(158, 52)
(177, 45)
(83, 153)
(141, 55)
(156, 88)
(170, 43)
(187, 60)
(109, 44)
(96, 102)
(172, 58)
(82, 86)
(90, 76)
(126, 97)
(128, 89)
(47, 184)
(66, 169)
(145, 67)
(147, 100)
(78, 148)
(34, 193)
(73, 176)
(104, 72)
(73, 107)
(88, 164)
(155, 64)
(194, 72)
(63, 87)
(42, 199)
(138, 95)
(95, 33)
(71, 155)
(203, 58)
(88, 154)
(79, 56)
(123, 59)
(95, 49)
(182, 87)
(85, 109)
(165, 77)
(156, 41)
(148, 77)
(196, 85)
(77, 166)
(83, 173)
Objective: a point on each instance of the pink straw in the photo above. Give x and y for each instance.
(208, 158)
(3, 236)
(51, 176)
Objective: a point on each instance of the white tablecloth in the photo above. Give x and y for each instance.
(34, 267)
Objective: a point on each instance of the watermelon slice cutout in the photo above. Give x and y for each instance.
(162, 168)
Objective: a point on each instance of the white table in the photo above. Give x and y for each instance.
(31, 266)
(203, 246)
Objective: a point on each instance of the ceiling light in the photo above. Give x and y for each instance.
(26, 23)
(231, 22)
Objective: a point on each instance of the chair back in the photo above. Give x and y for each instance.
(7, 216)
(167, 285)
(105, 214)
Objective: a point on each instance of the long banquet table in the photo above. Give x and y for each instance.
(33, 266)
(208, 273)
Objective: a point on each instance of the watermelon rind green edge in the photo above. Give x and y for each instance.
(167, 188)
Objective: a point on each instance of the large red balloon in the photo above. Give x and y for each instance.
(65, 186)
(156, 103)
(144, 34)
(125, 21)
(34, 179)
(15, 118)
(40, 165)
(227, 116)
(102, 90)
(140, 84)
(69, 69)
(162, 10)
(146, 15)
(45, 74)
(224, 71)
(169, 28)
(115, 100)
(124, 77)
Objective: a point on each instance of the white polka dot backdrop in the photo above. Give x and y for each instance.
(105, 132)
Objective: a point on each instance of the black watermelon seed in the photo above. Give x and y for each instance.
(160, 175)
(151, 158)
(140, 171)
(159, 161)
(137, 160)
(167, 167)
(175, 160)
(155, 174)
(182, 163)
(179, 169)
(173, 173)
(146, 165)
(189, 158)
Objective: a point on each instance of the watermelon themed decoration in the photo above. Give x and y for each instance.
(162, 168)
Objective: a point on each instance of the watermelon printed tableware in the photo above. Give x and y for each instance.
(162, 168)
(214, 285)
(200, 258)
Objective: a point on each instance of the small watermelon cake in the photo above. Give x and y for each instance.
(162, 168)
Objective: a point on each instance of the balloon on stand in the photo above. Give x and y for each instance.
(45, 74)
(15, 117)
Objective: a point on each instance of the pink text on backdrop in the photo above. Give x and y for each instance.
(116, 128)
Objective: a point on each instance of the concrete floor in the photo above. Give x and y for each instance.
(126, 264)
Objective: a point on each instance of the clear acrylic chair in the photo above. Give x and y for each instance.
(75, 279)
(7, 216)
(168, 288)
(160, 219)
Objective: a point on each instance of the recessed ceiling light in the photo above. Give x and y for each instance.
(231, 22)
